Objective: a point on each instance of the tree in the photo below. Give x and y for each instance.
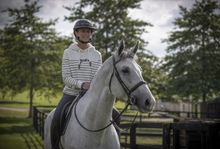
(154, 76)
(193, 59)
(30, 53)
(112, 22)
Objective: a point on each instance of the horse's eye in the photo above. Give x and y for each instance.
(125, 69)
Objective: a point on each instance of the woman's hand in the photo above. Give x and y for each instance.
(86, 86)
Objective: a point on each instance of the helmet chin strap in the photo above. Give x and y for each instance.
(83, 42)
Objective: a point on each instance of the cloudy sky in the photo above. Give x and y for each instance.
(160, 13)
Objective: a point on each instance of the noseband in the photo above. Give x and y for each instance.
(131, 100)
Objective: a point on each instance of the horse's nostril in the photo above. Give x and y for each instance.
(147, 102)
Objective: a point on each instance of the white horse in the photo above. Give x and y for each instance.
(120, 76)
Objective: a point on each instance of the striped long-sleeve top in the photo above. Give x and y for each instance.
(79, 66)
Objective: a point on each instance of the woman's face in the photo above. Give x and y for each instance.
(84, 34)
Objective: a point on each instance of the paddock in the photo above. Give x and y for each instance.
(181, 133)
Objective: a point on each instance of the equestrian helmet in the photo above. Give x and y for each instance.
(83, 23)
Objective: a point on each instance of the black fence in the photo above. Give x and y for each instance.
(189, 135)
(39, 118)
(177, 135)
(171, 133)
(133, 134)
(173, 114)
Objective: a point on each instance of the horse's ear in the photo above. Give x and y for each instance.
(120, 48)
(135, 48)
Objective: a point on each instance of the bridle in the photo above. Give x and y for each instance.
(131, 100)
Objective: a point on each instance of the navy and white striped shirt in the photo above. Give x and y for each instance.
(79, 66)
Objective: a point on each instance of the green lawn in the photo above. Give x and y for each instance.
(22, 101)
(17, 132)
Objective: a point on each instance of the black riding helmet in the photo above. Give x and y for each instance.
(83, 23)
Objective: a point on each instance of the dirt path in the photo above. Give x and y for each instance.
(13, 109)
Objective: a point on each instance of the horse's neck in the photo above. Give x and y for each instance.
(96, 105)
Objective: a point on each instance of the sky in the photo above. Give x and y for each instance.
(160, 13)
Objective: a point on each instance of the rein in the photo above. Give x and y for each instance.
(131, 100)
(112, 122)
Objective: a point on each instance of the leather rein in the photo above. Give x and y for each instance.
(131, 100)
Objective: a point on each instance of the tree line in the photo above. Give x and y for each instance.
(31, 49)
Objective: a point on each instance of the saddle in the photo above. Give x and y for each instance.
(66, 112)
(65, 116)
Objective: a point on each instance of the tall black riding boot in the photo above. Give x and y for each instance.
(115, 113)
(54, 136)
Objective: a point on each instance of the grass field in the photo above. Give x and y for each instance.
(22, 100)
(17, 132)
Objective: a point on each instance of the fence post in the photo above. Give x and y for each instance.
(175, 139)
(35, 118)
(40, 123)
(166, 136)
(133, 136)
(196, 110)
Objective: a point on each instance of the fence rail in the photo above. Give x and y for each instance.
(40, 116)
(207, 135)
(133, 133)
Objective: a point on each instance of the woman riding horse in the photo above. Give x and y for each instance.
(79, 65)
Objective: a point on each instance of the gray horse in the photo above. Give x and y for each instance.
(120, 76)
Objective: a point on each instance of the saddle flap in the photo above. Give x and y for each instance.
(65, 116)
